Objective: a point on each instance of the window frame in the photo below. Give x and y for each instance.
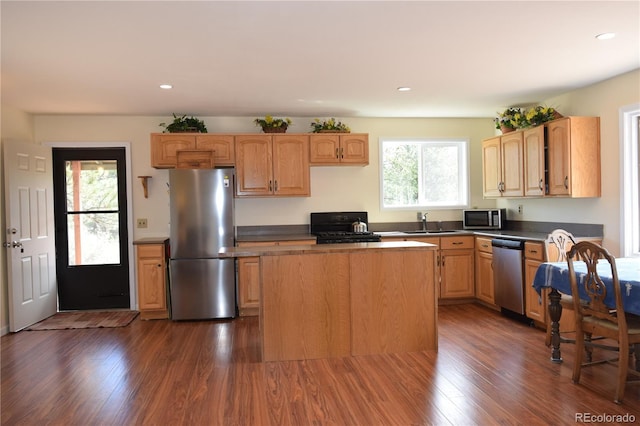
(466, 180)
(630, 181)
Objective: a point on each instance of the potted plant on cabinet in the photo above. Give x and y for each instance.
(184, 124)
(509, 120)
(329, 126)
(273, 125)
(539, 115)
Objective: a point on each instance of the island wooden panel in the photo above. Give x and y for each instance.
(305, 306)
(393, 305)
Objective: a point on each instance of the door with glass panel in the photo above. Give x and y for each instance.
(90, 204)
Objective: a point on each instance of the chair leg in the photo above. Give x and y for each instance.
(579, 357)
(623, 364)
(587, 347)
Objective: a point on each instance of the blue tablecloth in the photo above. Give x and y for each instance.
(556, 275)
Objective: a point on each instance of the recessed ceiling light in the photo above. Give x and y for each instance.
(404, 89)
(166, 86)
(605, 36)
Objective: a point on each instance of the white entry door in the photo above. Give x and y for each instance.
(29, 237)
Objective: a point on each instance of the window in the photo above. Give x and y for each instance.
(630, 180)
(418, 173)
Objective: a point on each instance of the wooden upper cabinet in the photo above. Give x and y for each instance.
(254, 171)
(534, 162)
(559, 159)
(491, 166)
(574, 157)
(272, 165)
(221, 145)
(291, 172)
(339, 148)
(512, 164)
(164, 148)
(502, 159)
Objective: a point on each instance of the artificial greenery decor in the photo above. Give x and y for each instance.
(184, 124)
(273, 125)
(510, 119)
(539, 114)
(330, 125)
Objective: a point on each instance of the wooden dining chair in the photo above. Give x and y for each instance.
(556, 246)
(594, 317)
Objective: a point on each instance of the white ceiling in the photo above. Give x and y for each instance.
(308, 58)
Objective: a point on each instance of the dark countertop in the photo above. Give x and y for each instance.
(505, 233)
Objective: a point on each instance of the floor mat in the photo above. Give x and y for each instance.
(85, 319)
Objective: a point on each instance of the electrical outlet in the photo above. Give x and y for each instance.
(142, 223)
(419, 215)
(520, 208)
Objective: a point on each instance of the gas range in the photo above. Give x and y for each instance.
(336, 228)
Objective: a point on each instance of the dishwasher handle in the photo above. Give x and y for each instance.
(508, 244)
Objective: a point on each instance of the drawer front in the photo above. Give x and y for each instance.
(151, 250)
(462, 242)
(484, 244)
(534, 251)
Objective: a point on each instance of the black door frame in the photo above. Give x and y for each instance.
(133, 299)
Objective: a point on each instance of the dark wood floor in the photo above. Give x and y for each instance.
(488, 370)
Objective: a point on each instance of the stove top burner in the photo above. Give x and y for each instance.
(335, 228)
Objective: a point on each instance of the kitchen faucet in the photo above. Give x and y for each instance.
(424, 221)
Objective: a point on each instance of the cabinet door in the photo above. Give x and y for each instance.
(492, 170)
(254, 171)
(222, 147)
(152, 292)
(324, 149)
(512, 164)
(559, 157)
(248, 286)
(291, 165)
(164, 147)
(456, 273)
(354, 149)
(534, 162)
(484, 270)
(535, 308)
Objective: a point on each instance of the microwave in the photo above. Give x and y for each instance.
(484, 218)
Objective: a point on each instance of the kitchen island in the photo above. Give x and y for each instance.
(335, 300)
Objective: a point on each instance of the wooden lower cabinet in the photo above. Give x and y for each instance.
(249, 276)
(454, 264)
(484, 271)
(319, 305)
(152, 280)
(456, 267)
(535, 305)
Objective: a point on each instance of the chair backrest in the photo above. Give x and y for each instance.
(599, 263)
(558, 244)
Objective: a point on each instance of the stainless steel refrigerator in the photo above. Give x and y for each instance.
(202, 286)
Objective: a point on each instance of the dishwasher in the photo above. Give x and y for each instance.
(508, 274)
